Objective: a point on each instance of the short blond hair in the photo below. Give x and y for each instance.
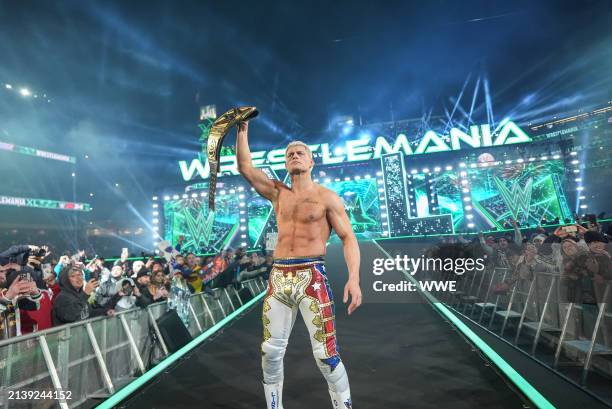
(298, 143)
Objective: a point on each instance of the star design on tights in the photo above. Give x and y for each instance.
(316, 286)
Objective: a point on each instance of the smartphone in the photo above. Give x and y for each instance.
(25, 277)
(570, 229)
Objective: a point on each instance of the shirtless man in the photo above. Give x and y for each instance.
(305, 214)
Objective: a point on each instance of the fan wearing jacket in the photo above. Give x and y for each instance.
(72, 304)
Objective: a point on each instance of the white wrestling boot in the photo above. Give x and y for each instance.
(341, 400)
(274, 395)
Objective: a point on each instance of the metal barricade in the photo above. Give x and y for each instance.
(488, 279)
(541, 311)
(94, 358)
(584, 346)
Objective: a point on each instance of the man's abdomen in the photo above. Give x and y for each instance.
(301, 239)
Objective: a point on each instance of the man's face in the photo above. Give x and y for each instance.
(156, 267)
(298, 160)
(144, 280)
(76, 278)
(503, 243)
(180, 260)
(116, 271)
(190, 259)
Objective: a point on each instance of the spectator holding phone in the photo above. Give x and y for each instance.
(41, 318)
(123, 260)
(107, 290)
(576, 267)
(572, 231)
(96, 269)
(157, 289)
(128, 295)
(51, 282)
(150, 263)
(71, 305)
(18, 287)
(254, 268)
(11, 294)
(499, 250)
(20, 294)
(150, 292)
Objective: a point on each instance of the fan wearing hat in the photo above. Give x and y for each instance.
(143, 279)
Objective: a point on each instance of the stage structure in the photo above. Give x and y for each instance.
(430, 185)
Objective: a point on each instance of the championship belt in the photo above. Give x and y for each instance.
(218, 131)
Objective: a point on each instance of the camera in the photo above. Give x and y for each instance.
(94, 275)
(127, 288)
(38, 252)
(570, 229)
(126, 285)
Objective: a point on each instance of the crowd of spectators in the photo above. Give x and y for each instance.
(39, 291)
(579, 253)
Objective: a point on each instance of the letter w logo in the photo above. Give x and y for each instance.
(199, 229)
(516, 198)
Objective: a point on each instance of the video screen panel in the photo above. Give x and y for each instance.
(204, 233)
(527, 192)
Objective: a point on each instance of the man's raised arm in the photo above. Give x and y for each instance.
(256, 178)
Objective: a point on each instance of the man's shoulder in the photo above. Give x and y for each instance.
(328, 196)
(322, 190)
(280, 185)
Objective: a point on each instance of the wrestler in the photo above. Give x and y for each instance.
(305, 214)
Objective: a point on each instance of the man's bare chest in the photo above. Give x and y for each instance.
(300, 208)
